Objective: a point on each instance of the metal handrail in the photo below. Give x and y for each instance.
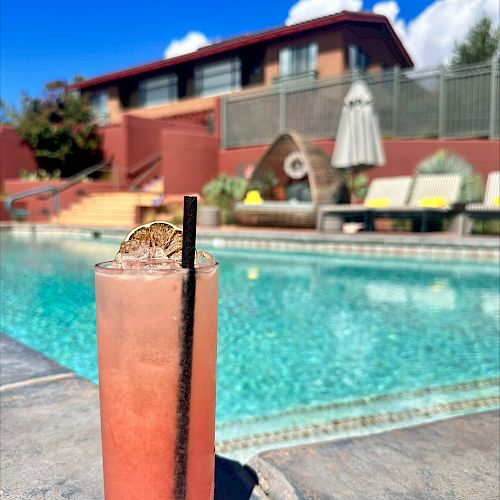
(139, 166)
(148, 168)
(54, 190)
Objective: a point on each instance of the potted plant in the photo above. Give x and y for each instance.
(221, 193)
(359, 188)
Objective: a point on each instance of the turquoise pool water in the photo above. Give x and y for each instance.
(295, 330)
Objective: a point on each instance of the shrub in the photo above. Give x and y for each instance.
(486, 227)
(39, 175)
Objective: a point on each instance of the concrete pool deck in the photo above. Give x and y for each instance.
(50, 448)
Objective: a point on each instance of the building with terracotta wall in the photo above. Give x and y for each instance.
(313, 50)
(135, 104)
(172, 107)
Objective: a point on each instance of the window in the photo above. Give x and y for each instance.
(218, 77)
(358, 60)
(299, 59)
(158, 90)
(99, 104)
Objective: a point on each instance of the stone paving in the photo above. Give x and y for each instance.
(50, 446)
(50, 449)
(455, 458)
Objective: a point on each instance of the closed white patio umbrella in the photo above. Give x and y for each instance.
(359, 144)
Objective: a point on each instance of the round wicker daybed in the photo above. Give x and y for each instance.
(324, 185)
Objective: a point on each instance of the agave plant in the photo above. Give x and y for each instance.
(444, 162)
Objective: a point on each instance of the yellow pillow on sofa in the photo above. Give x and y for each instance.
(433, 202)
(496, 201)
(378, 202)
(253, 197)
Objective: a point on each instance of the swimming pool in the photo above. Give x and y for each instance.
(302, 338)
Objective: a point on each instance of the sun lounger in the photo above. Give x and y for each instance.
(384, 192)
(490, 207)
(432, 197)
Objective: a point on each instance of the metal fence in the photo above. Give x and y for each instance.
(447, 103)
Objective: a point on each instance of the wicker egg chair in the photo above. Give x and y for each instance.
(325, 183)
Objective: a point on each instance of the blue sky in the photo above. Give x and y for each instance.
(45, 41)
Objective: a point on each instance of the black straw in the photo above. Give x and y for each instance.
(189, 231)
(186, 347)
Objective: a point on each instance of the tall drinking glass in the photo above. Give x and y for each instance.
(157, 434)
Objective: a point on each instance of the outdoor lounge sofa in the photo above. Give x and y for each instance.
(432, 198)
(277, 213)
(490, 207)
(390, 191)
(324, 182)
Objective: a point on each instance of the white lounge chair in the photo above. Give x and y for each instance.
(388, 191)
(490, 207)
(432, 197)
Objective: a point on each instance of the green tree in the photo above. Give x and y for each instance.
(480, 44)
(60, 128)
(4, 114)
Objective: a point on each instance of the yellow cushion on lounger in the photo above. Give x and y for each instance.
(253, 197)
(497, 201)
(378, 202)
(433, 202)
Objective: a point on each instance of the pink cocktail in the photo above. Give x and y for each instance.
(141, 350)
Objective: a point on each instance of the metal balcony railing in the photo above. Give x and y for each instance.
(458, 102)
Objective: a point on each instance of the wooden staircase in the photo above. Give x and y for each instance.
(106, 209)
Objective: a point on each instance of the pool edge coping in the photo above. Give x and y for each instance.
(418, 247)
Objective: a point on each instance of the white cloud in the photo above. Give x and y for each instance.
(304, 10)
(189, 43)
(431, 36)
(390, 9)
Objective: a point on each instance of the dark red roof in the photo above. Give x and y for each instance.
(246, 40)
